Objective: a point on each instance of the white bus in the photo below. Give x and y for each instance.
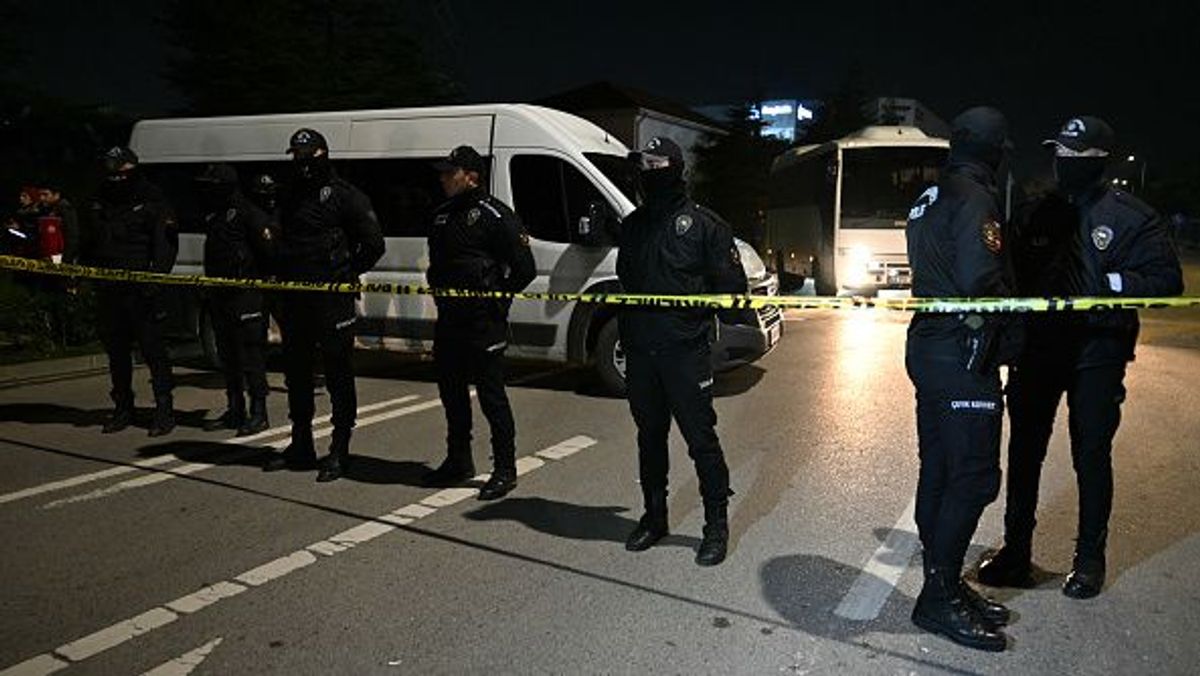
(837, 210)
(553, 168)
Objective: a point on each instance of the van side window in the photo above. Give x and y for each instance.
(404, 192)
(550, 196)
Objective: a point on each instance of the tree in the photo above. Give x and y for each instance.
(732, 172)
(297, 55)
(842, 113)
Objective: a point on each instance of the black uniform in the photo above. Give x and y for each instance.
(328, 233)
(1069, 248)
(476, 242)
(133, 228)
(671, 245)
(955, 246)
(238, 245)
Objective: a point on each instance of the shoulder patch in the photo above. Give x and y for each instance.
(524, 239)
(993, 237)
(473, 216)
(683, 223)
(230, 215)
(1102, 236)
(925, 201)
(326, 193)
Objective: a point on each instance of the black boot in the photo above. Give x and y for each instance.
(652, 527)
(334, 465)
(299, 455)
(501, 483)
(1012, 566)
(164, 417)
(993, 613)
(716, 535)
(233, 417)
(455, 470)
(121, 417)
(257, 422)
(1086, 579)
(942, 609)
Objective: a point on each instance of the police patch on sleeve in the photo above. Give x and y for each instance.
(1102, 236)
(993, 238)
(230, 215)
(735, 255)
(473, 216)
(326, 193)
(683, 223)
(524, 239)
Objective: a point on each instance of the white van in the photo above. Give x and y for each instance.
(553, 168)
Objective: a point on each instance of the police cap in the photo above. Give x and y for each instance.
(1084, 136)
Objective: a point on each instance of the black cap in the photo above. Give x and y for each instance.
(306, 142)
(218, 174)
(981, 126)
(661, 147)
(462, 157)
(264, 184)
(1084, 137)
(118, 158)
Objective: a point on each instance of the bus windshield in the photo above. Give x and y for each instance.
(619, 170)
(879, 185)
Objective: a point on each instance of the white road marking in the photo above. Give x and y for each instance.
(91, 477)
(111, 637)
(127, 630)
(38, 666)
(567, 448)
(185, 664)
(878, 578)
(192, 468)
(277, 568)
(527, 464)
(204, 598)
(449, 496)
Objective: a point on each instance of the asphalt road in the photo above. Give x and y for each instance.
(125, 555)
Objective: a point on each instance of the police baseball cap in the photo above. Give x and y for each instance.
(462, 157)
(1083, 137)
(306, 142)
(119, 158)
(660, 152)
(981, 126)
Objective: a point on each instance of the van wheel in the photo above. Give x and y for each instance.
(610, 359)
(207, 336)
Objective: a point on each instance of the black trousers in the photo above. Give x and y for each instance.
(959, 419)
(240, 325)
(460, 363)
(676, 383)
(324, 321)
(130, 314)
(1094, 398)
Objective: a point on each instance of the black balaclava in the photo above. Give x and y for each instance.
(216, 186)
(312, 170)
(660, 184)
(121, 175)
(980, 135)
(1078, 176)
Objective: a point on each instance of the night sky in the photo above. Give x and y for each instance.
(1134, 63)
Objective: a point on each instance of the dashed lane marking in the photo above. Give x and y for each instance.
(155, 618)
(882, 572)
(186, 663)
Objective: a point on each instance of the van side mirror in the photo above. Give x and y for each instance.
(595, 226)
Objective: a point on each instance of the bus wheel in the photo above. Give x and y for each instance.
(207, 336)
(610, 359)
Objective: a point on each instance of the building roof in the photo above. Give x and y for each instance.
(610, 96)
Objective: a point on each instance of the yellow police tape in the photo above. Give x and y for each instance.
(942, 305)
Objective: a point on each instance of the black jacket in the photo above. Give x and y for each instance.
(239, 242)
(957, 249)
(477, 243)
(1070, 247)
(133, 231)
(674, 246)
(328, 233)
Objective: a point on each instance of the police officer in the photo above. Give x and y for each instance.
(476, 243)
(131, 227)
(237, 246)
(328, 233)
(1086, 239)
(671, 245)
(957, 248)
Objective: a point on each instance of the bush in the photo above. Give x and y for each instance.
(44, 316)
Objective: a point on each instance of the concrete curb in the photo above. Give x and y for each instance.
(52, 369)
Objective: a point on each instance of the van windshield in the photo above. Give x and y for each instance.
(619, 170)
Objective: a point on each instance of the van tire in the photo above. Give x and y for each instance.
(610, 359)
(207, 336)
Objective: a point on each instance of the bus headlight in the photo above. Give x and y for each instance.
(859, 265)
